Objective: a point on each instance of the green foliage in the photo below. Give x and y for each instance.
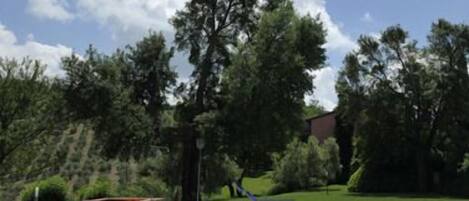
(100, 189)
(465, 164)
(218, 170)
(30, 113)
(145, 187)
(305, 165)
(390, 180)
(207, 30)
(354, 183)
(408, 106)
(332, 158)
(53, 188)
(124, 94)
(265, 88)
(165, 166)
(313, 109)
(343, 133)
(150, 75)
(460, 185)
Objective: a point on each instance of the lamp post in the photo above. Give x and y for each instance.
(327, 183)
(200, 143)
(36, 194)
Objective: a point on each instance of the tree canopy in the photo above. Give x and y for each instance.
(409, 106)
(124, 94)
(264, 89)
(30, 111)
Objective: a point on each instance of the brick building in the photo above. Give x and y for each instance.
(322, 126)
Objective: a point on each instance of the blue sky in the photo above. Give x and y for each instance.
(50, 29)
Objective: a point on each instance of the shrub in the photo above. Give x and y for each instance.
(165, 166)
(305, 165)
(217, 171)
(353, 183)
(76, 157)
(331, 158)
(100, 189)
(145, 187)
(465, 164)
(103, 166)
(459, 184)
(53, 188)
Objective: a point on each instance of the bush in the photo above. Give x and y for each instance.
(465, 164)
(217, 171)
(104, 166)
(165, 166)
(353, 183)
(100, 189)
(53, 188)
(459, 184)
(305, 165)
(145, 187)
(331, 158)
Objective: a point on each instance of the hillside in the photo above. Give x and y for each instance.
(73, 156)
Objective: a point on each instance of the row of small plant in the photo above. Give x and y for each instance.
(67, 165)
(52, 157)
(55, 188)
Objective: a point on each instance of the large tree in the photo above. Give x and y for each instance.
(124, 94)
(265, 88)
(207, 30)
(408, 105)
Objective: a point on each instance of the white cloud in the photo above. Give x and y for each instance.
(336, 39)
(367, 17)
(337, 42)
(325, 87)
(375, 35)
(130, 18)
(50, 9)
(47, 54)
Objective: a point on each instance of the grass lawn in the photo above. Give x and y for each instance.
(260, 186)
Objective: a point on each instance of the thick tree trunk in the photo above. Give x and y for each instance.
(231, 190)
(422, 172)
(190, 152)
(189, 169)
(240, 183)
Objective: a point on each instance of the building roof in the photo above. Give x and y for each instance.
(321, 115)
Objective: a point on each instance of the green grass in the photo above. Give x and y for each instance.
(259, 186)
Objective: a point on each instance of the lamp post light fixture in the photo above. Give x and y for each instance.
(200, 144)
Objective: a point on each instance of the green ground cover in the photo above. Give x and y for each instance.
(260, 186)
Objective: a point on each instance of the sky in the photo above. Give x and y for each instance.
(50, 29)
